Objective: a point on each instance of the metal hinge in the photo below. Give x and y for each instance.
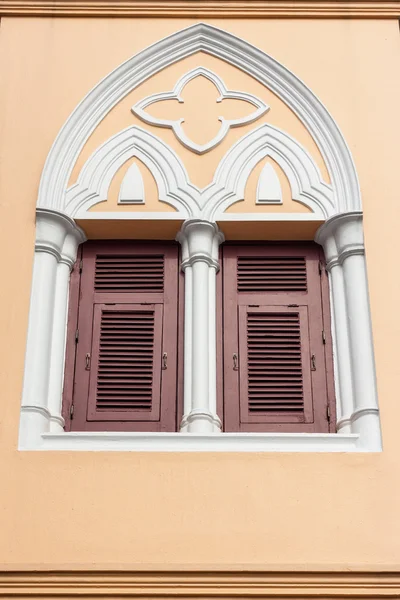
(71, 412)
(320, 267)
(80, 266)
(328, 413)
(323, 337)
(313, 363)
(76, 336)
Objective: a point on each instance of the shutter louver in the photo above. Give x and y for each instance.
(275, 381)
(127, 352)
(271, 274)
(275, 378)
(129, 273)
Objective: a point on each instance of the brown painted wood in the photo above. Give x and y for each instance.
(275, 290)
(70, 350)
(131, 279)
(125, 363)
(274, 368)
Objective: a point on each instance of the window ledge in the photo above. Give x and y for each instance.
(181, 442)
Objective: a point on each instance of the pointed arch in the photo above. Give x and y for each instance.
(97, 173)
(237, 52)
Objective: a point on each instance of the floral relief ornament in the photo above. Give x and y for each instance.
(139, 109)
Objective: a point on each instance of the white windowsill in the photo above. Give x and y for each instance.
(181, 442)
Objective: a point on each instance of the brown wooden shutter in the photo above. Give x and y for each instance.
(126, 338)
(277, 373)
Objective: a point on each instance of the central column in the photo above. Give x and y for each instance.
(200, 241)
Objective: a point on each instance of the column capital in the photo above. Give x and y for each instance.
(57, 234)
(200, 241)
(341, 236)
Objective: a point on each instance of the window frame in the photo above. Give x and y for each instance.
(41, 425)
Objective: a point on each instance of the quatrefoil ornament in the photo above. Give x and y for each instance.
(139, 109)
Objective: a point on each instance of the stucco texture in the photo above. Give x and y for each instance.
(128, 510)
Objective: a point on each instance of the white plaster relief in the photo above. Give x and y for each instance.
(209, 203)
(41, 420)
(269, 189)
(132, 187)
(139, 109)
(99, 170)
(200, 37)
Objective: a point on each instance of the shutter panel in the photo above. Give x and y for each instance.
(275, 381)
(274, 325)
(126, 358)
(125, 372)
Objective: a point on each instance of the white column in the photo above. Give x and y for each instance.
(200, 241)
(60, 317)
(342, 239)
(52, 230)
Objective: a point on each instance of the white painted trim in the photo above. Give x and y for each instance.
(190, 201)
(140, 109)
(237, 52)
(97, 173)
(269, 190)
(57, 240)
(194, 442)
(341, 237)
(200, 242)
(132, 187)
(307, 185)
(356, 393)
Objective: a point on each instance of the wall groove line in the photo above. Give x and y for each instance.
(201, 8)
(199, 584)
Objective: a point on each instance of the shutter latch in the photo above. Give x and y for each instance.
(235, 361)
(87, 361)
(164, 360)
(313, 365)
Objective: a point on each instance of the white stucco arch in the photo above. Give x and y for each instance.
(221, 44)
(190, 201)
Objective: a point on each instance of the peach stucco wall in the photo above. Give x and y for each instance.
(96, 510)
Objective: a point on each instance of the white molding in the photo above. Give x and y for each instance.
(341, 237)
(269, 190)
(57, 240)
(132, 187)
(200, 241)
(195, 442)
(356, 393)
(237, 52)
(97, 173)
(139, 109)
(305, 179)
(190, 201)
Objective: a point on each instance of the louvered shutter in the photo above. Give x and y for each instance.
(126, 351)
(278, 376)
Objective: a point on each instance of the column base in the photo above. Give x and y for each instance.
(200, 421)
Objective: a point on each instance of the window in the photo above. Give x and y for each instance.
(122, 360)
(277, 375)
(125, 343)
